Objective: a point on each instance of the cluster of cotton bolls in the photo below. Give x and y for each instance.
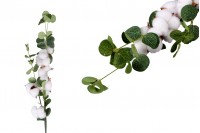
(43, 61)
(165, 21)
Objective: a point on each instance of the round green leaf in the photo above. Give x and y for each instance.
(124, 39)
(119, 62)
(45, 13)
(49, 33)
(50, 41)
(141, 63)
(128, 68)
(151, 39)
(92, 89)
(194, 29)
(176, 35)
(53, 18)
(101, 86)
(151, 17)
(47, 17)
(134, 33)
(105, 48)
(189, 13)
(41, 35)
(89, 80)
(32, 80)
(126, 53)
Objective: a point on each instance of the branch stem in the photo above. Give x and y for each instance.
(108, 74)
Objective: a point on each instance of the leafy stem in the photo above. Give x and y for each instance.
(108, 74)
(184, 25)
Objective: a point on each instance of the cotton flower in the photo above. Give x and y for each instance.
(170, 6)
(32, 89)
(164, 14)
(174, 22)
(141, 47)
(161, 24)
(155, 30)
(151, 50)
(38, 112)
(144, 30)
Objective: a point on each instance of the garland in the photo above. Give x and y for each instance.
(162, 26)
(40, 87)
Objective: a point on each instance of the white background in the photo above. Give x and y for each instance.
(163, 99)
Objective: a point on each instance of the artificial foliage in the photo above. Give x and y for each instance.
(163, 26)
(39, 86)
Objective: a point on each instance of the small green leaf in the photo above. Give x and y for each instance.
(31, 61)
(89, 80)
(101, 86)
(50, 41)
(32, 55)
(41, 21)
(111, 42)
(128, 68)
(41, 35)
(29, 71)
(53, 18)
(119, 62)
(41, 45)
(49, 33)
(176, 35)
(112, 58)
(126, 53)
(151, 18)
(141, 63)
(51, 58)
(105, 48)
(189, 13)
(26, 56)
(124, 39)
(151, 39)
(35, 68)
(187, 37)
(194, 29)
(47, 102)
(48, 111)
(92, 89)
(47, 17)
(27, 47)
(45, 13)
(39, 82)
(134, 33)
(174, 47)
(32, 80)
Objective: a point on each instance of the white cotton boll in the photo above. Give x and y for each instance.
(174, 22)
(46, 62)
(50, 50)
(167, 37)
(48, 85)
(170, 6)
(151, 50)
(29, 85)
(34, 111)
(144, 30)
(156, 31)
(44, 77)
(34, 92)
(141, 47)
(39, 61)
(47, 68)
(164, 14)
(161, 24)
(43, 54)
(41, 72)
(41, 113)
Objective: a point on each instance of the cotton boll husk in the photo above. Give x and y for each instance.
(174, 22)
(39, 61)
(46, 62)
(144, 30)
(141, 47)
(157, 49)
(155, 30)
(43, 54)
(34, 111)
(164, 14)
(50, 50)
(161, 24)
(167, 37)
(48, 85)
(34, 92)
(41, 113)
(170, 6)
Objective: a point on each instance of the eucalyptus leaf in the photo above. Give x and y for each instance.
(141, 63)
(174, 47)
(124, 39)
(101, 86)
(194, 29)
(151, 39)
(189, 13)
(35, 68)
(92, 89)
(176, 35)
(126, 53)
(48, 111)
(32, 80)
(47, 102)
(50, 41)
(26, 56)
(29, 71)
(112, 58)
(105, 48)
(119, 62)
(111, 42)
(89, 80)
(151, 18)
(49, 33)
(128, 68)
(53, 18)
(134, 33)
(41, 21)
(41, 35)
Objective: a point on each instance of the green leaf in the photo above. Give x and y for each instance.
(47, 17)
(26, 56)
(189, 13)
(41, 35)
(38, 40)
(92, 89)
(141, 63)
(41, 45)
(50, 41)
(32, 55)
(31, 61)
(32, 80)
(194, 29)
(101, 86)
(134, 33)
(119, 62)
(176, 35)
(27, 47)
(41, 21)
(53, 18)
(29, 71)
(45, 13)
(105, 48)
(111, 42)
(89, 80)
(151, 39)
(112, 58)
(43, 83)
(48, 111)
(35, 68)
(47, 102)
(39, 82)
(126, 53)
(174, 47)
(128, 68)
(51, 58)
(151, 18)
(124, 39)
(49, 33)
